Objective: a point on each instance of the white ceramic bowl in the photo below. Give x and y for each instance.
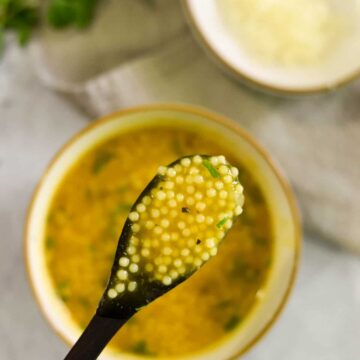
(342, 66)
(284, 217)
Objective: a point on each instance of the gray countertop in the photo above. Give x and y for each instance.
(321, 320)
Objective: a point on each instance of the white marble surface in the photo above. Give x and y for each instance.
(321, 321)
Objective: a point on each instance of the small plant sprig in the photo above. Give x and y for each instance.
(22, 16)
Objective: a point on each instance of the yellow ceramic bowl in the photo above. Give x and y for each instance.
(284, 217)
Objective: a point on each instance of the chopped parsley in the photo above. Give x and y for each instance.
(224, 304)
(213, 172)
(222, 222)
(84, 302)
(63, 290)
(141, 347)
(50, 242)
(232, 322)
(101, 160)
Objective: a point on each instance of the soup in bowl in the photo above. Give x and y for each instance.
(83, 200)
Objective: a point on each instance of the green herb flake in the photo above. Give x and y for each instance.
(213, 172)
(268, 263)
(50, 242)
(239, 267)
(256, 195)
(224, 304)
(50, 218)
(92, 248)
(141, 347)
(245, 271)
(122, 188)
(88, 194)
(62, 290)
(84, 302)
(251, 274)
(222, 222)
(124, 207)
(63, 285)
(140, 307)
(232, 323)
(101, 160)
(260, 241)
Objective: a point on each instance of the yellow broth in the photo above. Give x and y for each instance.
(86, 217)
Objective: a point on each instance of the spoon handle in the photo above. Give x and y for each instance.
(94, 338)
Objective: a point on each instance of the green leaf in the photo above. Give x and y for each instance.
(20, 17)
(84, 14)
(23, 34)
(213, 172)
(62, 13)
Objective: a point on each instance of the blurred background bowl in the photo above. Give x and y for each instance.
(341, 66)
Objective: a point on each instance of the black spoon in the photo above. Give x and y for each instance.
(174, 227)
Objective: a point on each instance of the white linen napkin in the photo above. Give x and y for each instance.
(136, 53)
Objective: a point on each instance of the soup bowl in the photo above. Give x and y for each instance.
(282, 207)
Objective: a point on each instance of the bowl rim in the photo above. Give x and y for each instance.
(237, 74)
(211, 116)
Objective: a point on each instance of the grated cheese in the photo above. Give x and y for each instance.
(289, 32)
